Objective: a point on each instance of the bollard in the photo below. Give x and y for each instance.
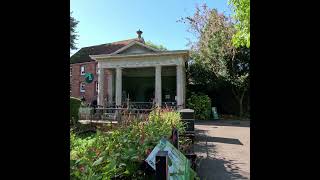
(162, 165)
(187, 116)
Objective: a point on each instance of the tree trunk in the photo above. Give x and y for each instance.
(240, 107)
(241, 104)
(239, 98)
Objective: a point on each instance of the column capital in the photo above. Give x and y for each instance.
(99, 64)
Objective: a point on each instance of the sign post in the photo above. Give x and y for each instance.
(162, 165)
(215, 113)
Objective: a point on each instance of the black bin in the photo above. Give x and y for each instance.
(187, 116)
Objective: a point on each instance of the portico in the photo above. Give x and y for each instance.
(137, 58)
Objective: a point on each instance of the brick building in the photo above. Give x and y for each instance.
(132, 72)
(80, 63)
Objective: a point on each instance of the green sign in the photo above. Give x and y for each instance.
(179, 166)
(215, 113)
(88, 77)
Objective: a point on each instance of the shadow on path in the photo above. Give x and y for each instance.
(219, 140)
(235, 123)
(212, 167)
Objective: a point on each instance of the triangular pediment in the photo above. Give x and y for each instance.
(135, 48)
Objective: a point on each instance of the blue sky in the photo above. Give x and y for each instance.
(104, 21)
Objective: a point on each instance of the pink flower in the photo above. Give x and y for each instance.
(81, 168)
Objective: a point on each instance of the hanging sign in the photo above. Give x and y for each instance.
(88, 77)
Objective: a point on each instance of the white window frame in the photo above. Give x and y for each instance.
(82, 69)
(97, 86)
(82, 87)
(97, 69)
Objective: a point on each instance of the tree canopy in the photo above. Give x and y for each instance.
(215, 51)
(73, 33)
(213, 45)
(155, 46)
(241, 15)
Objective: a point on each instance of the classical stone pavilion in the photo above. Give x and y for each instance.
(138, 73)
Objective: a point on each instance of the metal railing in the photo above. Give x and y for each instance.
(111, 112)
(140, 105)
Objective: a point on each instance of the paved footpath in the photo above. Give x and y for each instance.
(223, 149)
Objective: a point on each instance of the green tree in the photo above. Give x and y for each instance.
(73, 33)
(238, 75)
(241, 9)
(155, 46)
(215, 50)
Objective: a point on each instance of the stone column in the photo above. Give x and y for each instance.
(158, 90)
(184, 86)
(110, 86)
(118, 86)
(180, 86)
(100, 84)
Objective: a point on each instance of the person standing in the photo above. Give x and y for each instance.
(94, 105)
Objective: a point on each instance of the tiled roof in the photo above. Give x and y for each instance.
(83, 54)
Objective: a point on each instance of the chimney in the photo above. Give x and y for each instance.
(139, 32)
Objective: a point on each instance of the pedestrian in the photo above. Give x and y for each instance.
(94, 105)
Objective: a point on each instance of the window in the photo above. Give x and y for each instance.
(97, 86)
(70, 71)
(82, 87)
(70, 89)
(82, 69)
(97, 70)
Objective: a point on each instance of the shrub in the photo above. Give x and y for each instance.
(201, 104)
(74, 109)
(120, 152)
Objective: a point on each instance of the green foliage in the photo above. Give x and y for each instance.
(201, 75)
(73, 34)
(201, 104)
(238, 69)
(213, 45)
(241, 9)
(215, 51)
(74, 109)
(120, 152)
(155, 46)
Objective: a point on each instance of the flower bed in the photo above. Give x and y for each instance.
(121, 152)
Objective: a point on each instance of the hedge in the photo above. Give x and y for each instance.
(74, 109)
(201, 104)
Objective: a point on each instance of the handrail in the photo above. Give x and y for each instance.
(139, 102)
(133, 109)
